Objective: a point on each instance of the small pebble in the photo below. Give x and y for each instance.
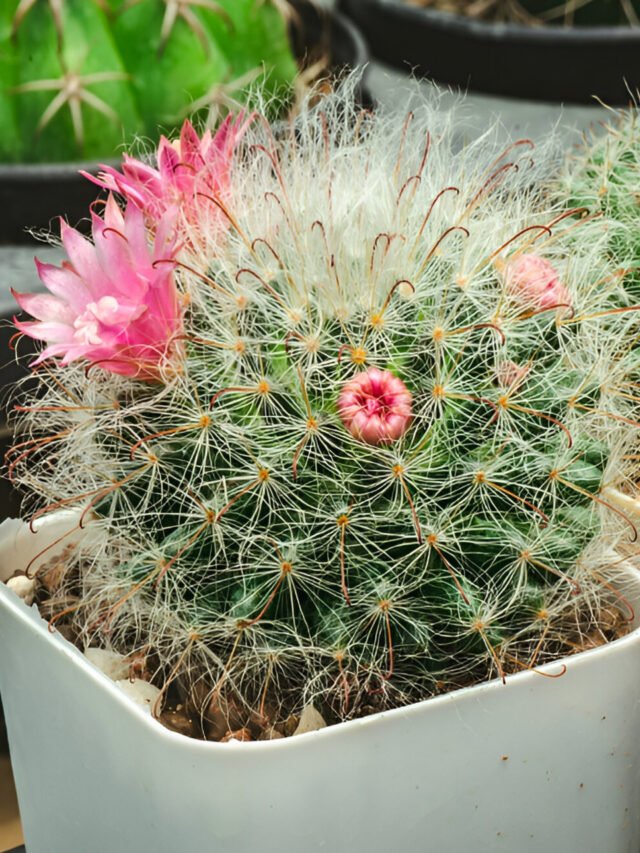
(141, 692)
(114, 665)
(23, 587)
(310, 721)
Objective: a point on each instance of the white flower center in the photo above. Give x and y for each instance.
(87, 329)
(106, 310)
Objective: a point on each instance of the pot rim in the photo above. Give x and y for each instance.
(487, 30)
(30, 614)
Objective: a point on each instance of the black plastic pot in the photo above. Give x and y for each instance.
(561, 64)
(32, 196)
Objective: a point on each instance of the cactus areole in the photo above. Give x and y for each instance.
(345, 417)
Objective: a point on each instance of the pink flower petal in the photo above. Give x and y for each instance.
(64, 283)
(42, 306)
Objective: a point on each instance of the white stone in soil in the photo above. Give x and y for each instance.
(24, 587)
(141, 692)
(310, 721)
(114, 665)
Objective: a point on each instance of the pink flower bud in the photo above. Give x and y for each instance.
(534, 283)
(375, 406)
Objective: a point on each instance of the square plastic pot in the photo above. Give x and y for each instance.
(538, 764)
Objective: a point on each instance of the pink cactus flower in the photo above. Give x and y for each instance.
(375, 406)
(187, 166)
(534, 283)
(109, 304)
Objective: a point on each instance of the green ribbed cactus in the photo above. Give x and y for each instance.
(370, 459)
(78, 78)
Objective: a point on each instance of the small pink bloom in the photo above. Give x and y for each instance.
(375, 406)
(108, 303)
(534, 283)
(185, 167)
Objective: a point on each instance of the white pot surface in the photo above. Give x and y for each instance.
(538, 764)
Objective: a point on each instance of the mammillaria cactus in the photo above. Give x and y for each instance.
(367, 464)
(80, 77)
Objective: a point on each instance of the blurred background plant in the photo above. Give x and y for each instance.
(541, 12)
(79, 78)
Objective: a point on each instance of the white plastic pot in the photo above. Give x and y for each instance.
(538, 764)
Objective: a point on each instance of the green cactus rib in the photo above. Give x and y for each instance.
(182, 9)
(25, 6)
(258, 549)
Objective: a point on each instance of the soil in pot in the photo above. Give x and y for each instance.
(204, 711)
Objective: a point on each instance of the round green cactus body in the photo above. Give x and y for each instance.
(250, 30)
(373, 465)
(70, 95)
(604, 177)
